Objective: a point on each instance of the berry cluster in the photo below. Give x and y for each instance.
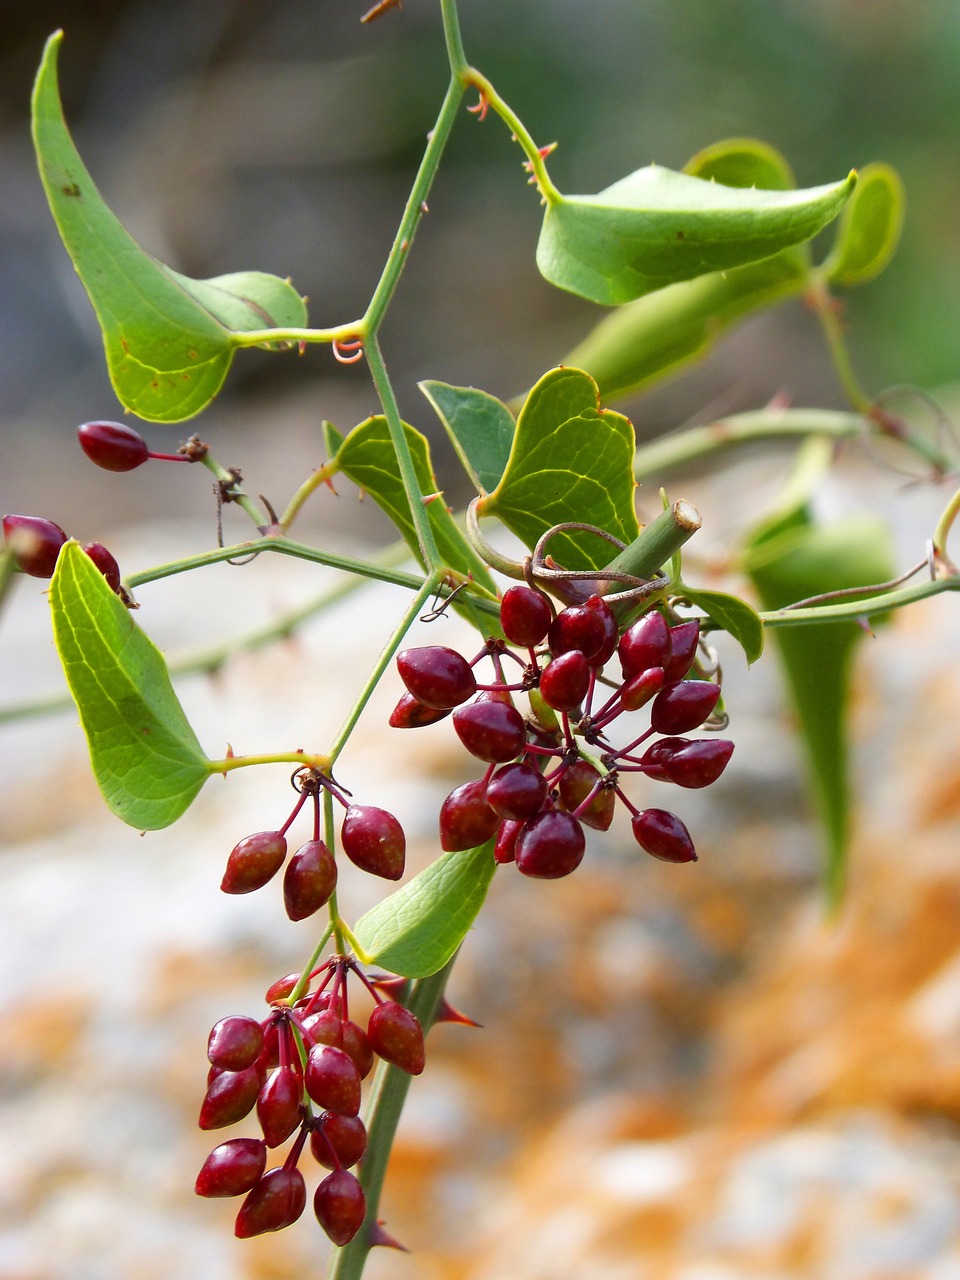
(371, 838)
(554, 772)
(302, 1068)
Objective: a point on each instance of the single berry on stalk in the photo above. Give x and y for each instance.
(373, 840)
(278, 1105)
(491, 730)
(235, 1043)
(338, 1138)
(466, 819)
(663, 835)
(517, 791)
(340, 1206)
(275, 1202)
(232, 1168)
(34, 544)
(396, 1036)
(230, 1096)
(332, 1080)
(113, 445)
(438, 677)
(525, 616)
(309, 880)
(550, 846)
(564, 681)
(253, 861)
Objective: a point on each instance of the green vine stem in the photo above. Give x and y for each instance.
(942, 565)
(535, 155)
(387, 1097)
(855, 610)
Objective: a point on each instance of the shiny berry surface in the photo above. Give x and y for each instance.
(105, 562)
(396, 1036)
(34, 544)
(466, 819)
(230, 1096)
(340, 1206)
(646, 643)
(334, 1138)
(525, 616)
(373, 840)
(576, 627)
(411, 714)
(254, 861)
(576, 785)
(550, 846)
(491, 730)
(309, 880)
(437, 676)
(696, 762)
(235, 1043)
(564, 681)
(683, 706)
(663, 835)
(517, 790)
(113, 445)
(611, 634)
(232, 1168)
(275, 1202)
(278, 1105)
(332, 1080)
(683, 649)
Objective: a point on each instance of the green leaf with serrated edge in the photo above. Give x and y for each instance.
(729, 613)
(366, 457)
(169, 341)
(788, 558)
(657, 227)
(869, 228)
(570, 460)
(416, 930)
(145, 756)
(480, 427)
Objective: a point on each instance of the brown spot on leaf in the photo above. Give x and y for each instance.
(71, 189)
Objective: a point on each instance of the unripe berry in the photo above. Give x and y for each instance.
(663, 835)
(275, 1202)
(575, 784)
(525, 616)
(437, 676)
(550, 845)
(373, 840)
(113, 445)
(340, 1206)
(396, 1036)
(34, 544)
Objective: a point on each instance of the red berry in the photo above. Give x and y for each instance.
(235, 1043)
(232, 1168)
(34, 544)
(113, 445)
(466, 820)
(576, 783)
(340, 1206)
(105, 562)
(506, 844)
(373, 840)
(611, 633)
(334, 1138)
(278, 1105)
(525, 615)
(396, 1036)
(280, 989)
(695, 762)
(275, 1202)
(230, 1096)
(645, 644)
(663, 835)
(639, 689)
(550, 845)
(491, 730)
(411, 714)
(564, 681)
(517, 790)
(683, 649)
(437, 676)
(323, 1027)
(253, 861)
(309, 880)
(355, 1043)
(683, 706)
(576, 627)
(332, 1079)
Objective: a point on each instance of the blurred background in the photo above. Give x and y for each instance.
(713, 1082)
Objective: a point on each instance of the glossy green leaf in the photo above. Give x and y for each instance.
(366, 457)
(742, 162)
(729, 613)
(570, 460)
(169, 341)
(416, 930)
(145, 756)
(790, 558)
(657, 227)
(480, 426)
(869, 229)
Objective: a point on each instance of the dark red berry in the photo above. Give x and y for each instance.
(466, 820)
(645, 644)
(695, 762)
(113, 445)
(105, 562)
(396, 1036)
(575, 785)
(275, 1202)
(34, 544)
(437, 676)
(564, 681)
(576, 627)
(550, 845)
(235, 1043)
(340, 1206)
(373, 840)
(683, 706)
(309, 880)
(278, 1105)
(232, 1168)
(323, 1027)
(517, 790)
(280, 989)
(411, 714)
(639, 689)
(253, 861)
(354, 1042)
(663, 835)
(334, 1138)
(230, 1096)
(491, 730)
(683, 649)
(525, 616)
(332, 1079)
(611, 633)
(504, 850)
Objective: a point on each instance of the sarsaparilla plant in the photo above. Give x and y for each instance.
(594, 660)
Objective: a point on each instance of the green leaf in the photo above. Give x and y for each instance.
(416, 930)
(742, 162)
(570, 460)
(869, 228)
(145, 756)
(791, 559)
(169, 341)
(480, 426)
(657, 227)
(731, 614)
(366, 457)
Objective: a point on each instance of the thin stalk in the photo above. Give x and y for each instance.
(229, 485)
(535, 156)
(451, 34)
(942, 532)
(304, 980)
(257, 337)
(301, 758)
(322, 475)
(387, 1096)
(855, 610)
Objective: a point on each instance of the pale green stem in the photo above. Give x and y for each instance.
(313, 482)
(535, 159)
(855, 610)
(301, 758)
(304, 980)
(942, 532)
(233, 492)
(257, 337)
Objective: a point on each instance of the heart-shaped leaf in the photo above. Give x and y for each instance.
(480, 426)
(145, 756)
(657, 227)
(169, 340)
(570, 461)
(869, 229)
(416, 930)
